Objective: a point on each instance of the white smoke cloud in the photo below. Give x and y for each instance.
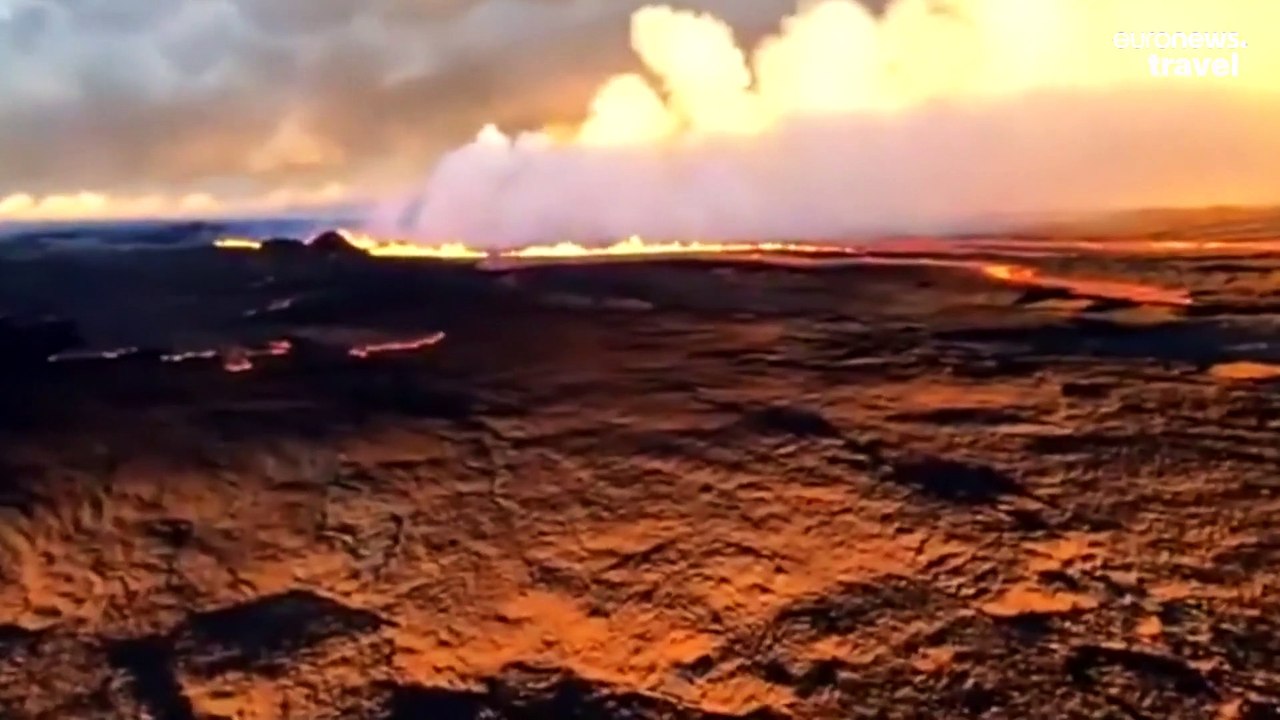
(846, 123)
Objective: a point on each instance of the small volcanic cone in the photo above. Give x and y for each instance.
(333, 242)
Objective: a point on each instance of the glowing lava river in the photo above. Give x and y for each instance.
(906, 251)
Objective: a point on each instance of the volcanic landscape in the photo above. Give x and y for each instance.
(999, 477)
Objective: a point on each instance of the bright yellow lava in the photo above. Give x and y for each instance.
(636, 246)
(235, 243)
(378, 247)
(631, 247)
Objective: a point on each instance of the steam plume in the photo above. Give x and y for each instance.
(924, 118)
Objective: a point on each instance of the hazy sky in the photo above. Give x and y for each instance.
(177, 95)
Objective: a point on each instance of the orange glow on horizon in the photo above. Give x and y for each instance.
(636, 247)
(633, 246)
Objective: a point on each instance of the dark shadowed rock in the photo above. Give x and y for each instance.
(148, 663)
(1087, 390)
(1085, 660)
(1034, 295)
(283, 246)
(26, 341)
(961, 416)
(954, 481)
(14, 636)
(566, 698)
(1106, 305)
(330, 242)
(796, 421)
(1260, 710)
(848, 607)
(266, 631)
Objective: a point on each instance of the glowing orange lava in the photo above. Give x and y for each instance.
(235, 243)
(637, 247)
(1010, 273)
(237, 363)
(236, 359)
(630, 247)
(378, 247)
(1110, 289)
(276, 348)
(364, 351)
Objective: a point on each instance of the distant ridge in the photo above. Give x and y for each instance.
(1225, 222)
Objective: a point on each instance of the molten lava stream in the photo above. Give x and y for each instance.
(241, 359)
(373, 247)
(237, 243)
(1086, 287)
(632, 247)
(364, 351)
(378, 247)
(636, 246)
(778, 253)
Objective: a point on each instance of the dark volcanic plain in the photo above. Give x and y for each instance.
(696, 489)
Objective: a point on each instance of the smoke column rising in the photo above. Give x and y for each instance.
(926, 118)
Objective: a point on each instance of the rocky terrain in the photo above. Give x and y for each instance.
(909, 488)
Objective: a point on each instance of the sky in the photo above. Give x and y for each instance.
(310, 97)
(900, 111)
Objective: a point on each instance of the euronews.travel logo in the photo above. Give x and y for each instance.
(1186, 54)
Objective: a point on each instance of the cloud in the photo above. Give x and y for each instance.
(22, 207)
(848, 123)
(137, 97)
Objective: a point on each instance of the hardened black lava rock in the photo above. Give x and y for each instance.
(27, 340)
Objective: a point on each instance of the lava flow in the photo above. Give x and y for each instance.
(375, 247)
(1087, 287)
(239, 360)
(364, 351)
(633, 246)
(237, 243)
(636, 248)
